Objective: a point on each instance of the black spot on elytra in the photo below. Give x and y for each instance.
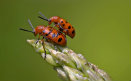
(63, 24)
(46, 34)
(73, 32)
(69, 27)
(59, 40)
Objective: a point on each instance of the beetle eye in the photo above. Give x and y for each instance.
(49, 20)
(61, 21)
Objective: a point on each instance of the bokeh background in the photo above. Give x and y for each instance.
(102, 35)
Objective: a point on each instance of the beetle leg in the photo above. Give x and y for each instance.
(37, 40)
(58, 25)
(65, 31)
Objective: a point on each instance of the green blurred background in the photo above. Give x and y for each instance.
(102, 35)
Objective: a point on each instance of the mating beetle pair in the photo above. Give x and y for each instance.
(50, 33)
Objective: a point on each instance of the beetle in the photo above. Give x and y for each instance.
(61, 23)
(49, 33)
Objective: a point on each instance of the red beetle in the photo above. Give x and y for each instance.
(49, 33)
(61, 23)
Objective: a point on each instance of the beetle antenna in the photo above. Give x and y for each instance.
(25, 30)
(43, 17)
(30, 24)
